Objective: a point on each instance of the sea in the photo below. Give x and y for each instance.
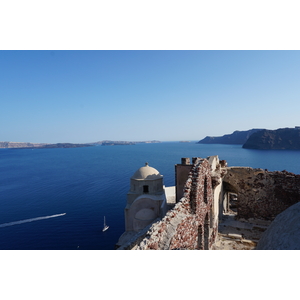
(56, 199)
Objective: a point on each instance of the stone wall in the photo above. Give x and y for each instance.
(262, 194)
(188, 225)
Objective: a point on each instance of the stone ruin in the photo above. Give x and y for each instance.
(218, 207)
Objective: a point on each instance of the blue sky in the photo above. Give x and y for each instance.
(88, 96)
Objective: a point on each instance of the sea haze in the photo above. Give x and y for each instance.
(56, 199)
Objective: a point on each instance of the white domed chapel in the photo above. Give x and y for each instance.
(147, 201)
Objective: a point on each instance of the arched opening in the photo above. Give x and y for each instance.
(193, 197)
(230, 199)
(211, 216)
(206, 232)
(232, 202)
(205, 190)
(200, 238)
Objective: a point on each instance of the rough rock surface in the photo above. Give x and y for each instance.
(284, 231)
(262, 194)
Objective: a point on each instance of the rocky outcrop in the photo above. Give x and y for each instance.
(237, 137)
(283, 233)
(283, 138)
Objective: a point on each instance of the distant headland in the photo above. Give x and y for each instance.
(264, 139)
(237, 137)
(279, 139)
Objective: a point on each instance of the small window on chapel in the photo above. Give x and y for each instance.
(145, 189)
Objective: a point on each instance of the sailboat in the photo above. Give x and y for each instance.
(105, 227)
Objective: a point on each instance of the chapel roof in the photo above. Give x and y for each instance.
(146, 173)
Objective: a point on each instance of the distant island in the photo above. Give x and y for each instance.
(237, 137)
(282, 138)
(17, 145)
(114, 143)
(20, 145)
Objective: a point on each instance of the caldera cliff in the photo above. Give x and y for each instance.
(237, 137)
(280, 139)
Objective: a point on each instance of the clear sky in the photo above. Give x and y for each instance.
(88, 96)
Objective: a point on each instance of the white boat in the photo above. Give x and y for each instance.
(105, 227)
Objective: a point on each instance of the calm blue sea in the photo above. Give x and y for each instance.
(86, 184)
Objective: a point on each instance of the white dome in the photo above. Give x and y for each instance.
(146, 173)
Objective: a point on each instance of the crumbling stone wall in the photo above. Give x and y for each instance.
(188, 225)
(262, 194)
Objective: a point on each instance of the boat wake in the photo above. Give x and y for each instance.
(30, 220)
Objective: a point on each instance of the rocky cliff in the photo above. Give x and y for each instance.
(283, 138)
(237, 137)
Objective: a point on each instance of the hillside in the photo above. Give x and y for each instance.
(283, 138)
(237, 137)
